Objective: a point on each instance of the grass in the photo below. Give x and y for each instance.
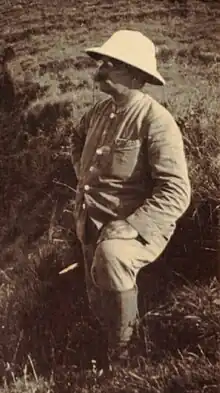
(47, 336)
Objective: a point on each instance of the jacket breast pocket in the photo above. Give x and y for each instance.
(124, 158)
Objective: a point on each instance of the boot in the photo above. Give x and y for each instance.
(117, 314)
(119, 317)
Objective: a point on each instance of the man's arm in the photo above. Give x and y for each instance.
(171, 191)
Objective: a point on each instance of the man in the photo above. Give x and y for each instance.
(132, 181)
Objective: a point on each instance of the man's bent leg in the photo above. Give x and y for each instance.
(114, 270)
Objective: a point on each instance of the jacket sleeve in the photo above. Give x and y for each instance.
(171, 191)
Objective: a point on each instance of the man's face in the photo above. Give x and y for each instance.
(113, 75)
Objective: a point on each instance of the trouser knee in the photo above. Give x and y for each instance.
(109, 270)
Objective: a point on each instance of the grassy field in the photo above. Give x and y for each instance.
(47, 337)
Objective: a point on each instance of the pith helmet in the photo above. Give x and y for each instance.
(132, 48)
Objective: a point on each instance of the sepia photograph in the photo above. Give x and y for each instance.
(110, 196)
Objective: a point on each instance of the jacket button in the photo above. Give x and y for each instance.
(99, 151)
(86, 187)
(92, 169)
(103, 150)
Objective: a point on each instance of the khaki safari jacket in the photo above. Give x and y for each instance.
(131, 165)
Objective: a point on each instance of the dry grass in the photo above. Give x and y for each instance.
(47, 336)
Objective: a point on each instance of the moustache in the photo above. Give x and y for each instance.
(100, 76)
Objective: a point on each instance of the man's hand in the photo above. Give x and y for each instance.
(119, 229)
